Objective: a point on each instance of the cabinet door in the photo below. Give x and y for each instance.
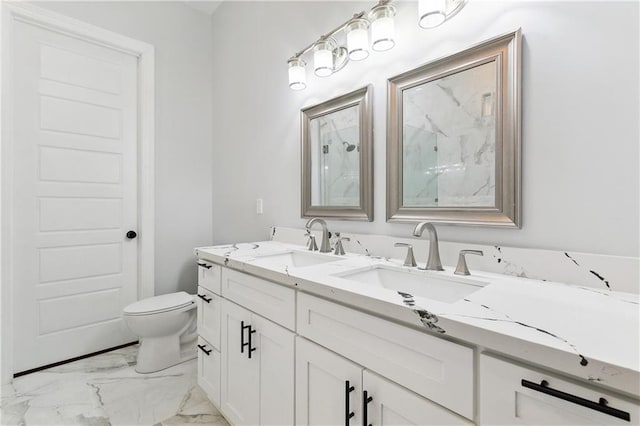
(209, 276)
(240, 379)
(209, 370)
(393, 405)
(511, 394)
(209, 316)
(274, 353)
(322, 397)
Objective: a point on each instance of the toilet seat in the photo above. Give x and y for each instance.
(159, 304)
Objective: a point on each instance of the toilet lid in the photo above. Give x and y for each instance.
(166, 302)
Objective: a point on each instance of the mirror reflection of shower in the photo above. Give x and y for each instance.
(339, 169)
(349, 147)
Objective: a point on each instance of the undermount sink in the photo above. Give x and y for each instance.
(296, 259)
(417, 283)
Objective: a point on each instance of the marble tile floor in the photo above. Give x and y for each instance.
(105, 390)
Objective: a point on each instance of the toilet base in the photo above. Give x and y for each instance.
(159, 353)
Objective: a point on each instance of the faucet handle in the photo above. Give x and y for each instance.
(311, 245)
(339, 249)
(461, 268)
(410, 259)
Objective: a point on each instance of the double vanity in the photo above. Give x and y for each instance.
(289, 335)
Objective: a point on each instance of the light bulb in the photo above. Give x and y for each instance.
(431, 13)
(323, 57)
(297, 74)
(383, 32)
(358, 39)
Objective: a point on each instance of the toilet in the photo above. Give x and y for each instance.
(166, 326)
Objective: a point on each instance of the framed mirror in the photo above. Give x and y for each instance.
(453, 138)
(337, 159)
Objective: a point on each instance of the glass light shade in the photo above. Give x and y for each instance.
(431, 13)
(323, 57)
(383, 31)
(297, 74)
(358, 39)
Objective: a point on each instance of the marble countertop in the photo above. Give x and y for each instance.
(584, 332)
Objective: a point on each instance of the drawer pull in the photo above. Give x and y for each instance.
(204, 297)
(366, 399)
(202, 348)
(204, 265)
(347, 411)
(601, 405)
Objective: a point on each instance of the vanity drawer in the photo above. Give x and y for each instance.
(511, 394)
(209, 305)
(209, 370)
(272, 301)
(437, 369)
(209, 276)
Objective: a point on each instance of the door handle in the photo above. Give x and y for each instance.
(347, 411)
(242, 342)
(204, 265)
(366, 399)
(131, 235)
(251, 349)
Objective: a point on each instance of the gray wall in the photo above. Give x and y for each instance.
(183, 172)
(580, 116)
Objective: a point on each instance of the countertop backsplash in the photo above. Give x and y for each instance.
(601, 272)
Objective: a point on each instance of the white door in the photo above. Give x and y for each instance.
(240, 381)
(74, 195)
(393, 405)
(275, 353)
(328, 387)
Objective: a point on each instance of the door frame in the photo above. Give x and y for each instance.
(20, 11)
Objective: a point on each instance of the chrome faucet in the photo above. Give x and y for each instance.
(325, 247)
(433, 262)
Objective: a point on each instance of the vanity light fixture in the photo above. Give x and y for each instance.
(357, 31)
(297, 74)
(383, 31)
(433, 13)
(329, 56)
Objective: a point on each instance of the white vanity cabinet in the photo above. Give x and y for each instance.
(437, 369)
(331, 390)
(208, 305)
(511, 394)
(257, 375)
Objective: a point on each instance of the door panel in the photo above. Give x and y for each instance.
(274, 350)
(393, 405)
(74, 195)
(320, 386)
(240, 381)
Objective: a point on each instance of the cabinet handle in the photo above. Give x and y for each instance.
(202, 348)
(204, 265)
(601, 405)
(251, 349)
(366, 399)
(242, 342)
(347, 411)
(204, 297)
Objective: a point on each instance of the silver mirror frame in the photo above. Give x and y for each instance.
(506, 51)
(363, 212)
